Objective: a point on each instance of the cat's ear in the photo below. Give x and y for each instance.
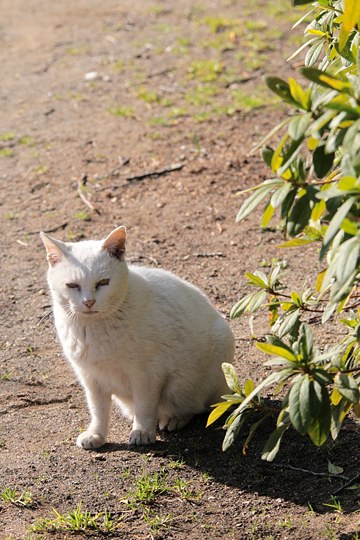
(54, 249)
(114, 244)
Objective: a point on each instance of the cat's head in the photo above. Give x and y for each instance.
(88, 279)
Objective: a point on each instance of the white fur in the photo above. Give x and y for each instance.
(155, 344)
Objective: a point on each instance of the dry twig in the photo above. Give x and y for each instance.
(81, 183)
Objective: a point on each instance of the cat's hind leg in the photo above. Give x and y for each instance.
(146, 401)
(173, 423)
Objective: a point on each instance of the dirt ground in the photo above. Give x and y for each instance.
(98, 94)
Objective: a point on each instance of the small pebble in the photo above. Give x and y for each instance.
(91, 76)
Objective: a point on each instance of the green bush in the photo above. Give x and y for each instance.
(315, 190)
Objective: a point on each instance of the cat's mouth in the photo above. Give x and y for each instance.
(89, 312)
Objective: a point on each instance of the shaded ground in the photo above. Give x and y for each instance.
(167, 85)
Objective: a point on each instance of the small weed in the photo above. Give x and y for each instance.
(125, 474)
(255, 25)
(75, 51)
(41, 169)
(206, 70)
(6, 376)
(118, 66)
(26, 140)
(77, 520)
(10, 495)
(148, 487)
(247, 102)
(7, 136)
(286, 522)
(203, 116)
(181, 487)
(178, 112)
(29, 350)
(6, 152)
(176, 463)
(124, 112)
(10, 215)
(157, 9)
(335, 504)
(151, 97)
(71, 236)
(158, 121)
(219, 24)
(157, 521)
(82, 215)
(202, 94)
(311, 508)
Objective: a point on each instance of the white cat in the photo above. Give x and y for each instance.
(141, 336)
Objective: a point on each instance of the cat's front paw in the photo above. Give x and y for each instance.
(139, 437)
(90, 440)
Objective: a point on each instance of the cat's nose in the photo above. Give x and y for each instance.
(89, 303)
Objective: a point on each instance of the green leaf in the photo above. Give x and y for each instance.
(347, 387)
(314, 52)
(232, 380)
(272, 445)
(347, 259)
(267, 215)
(278, 197)
(299, 216)
(288, 324)
(334, 469)
(255, 199)
(338, 414)
(217, 412)
(350, 19)
(234, 429)
(305, 342)
(258, 279)
(290, 155)
(299, 404)
(276, 350)
(298, 126)
(320, 416)
(335, 223)
(348, 183)
(250, 303)
(271, 379)
(267, 154)
(325, 79)
(295, 242)
(256, 301)
(248, 387)
(281, 88)
(322, 161)
(270, 136)
(252, 432)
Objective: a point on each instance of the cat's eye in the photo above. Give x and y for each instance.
(102, 283)
(73, 286)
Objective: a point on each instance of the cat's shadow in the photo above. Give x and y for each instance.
(200, 448)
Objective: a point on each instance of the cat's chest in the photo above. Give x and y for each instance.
(93, 343)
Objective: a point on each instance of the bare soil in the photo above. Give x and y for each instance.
(92, 94)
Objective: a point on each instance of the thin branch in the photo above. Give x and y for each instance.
(349, 483)
(51, 230)
(158, 172)
(308, 471)
(80, 185)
